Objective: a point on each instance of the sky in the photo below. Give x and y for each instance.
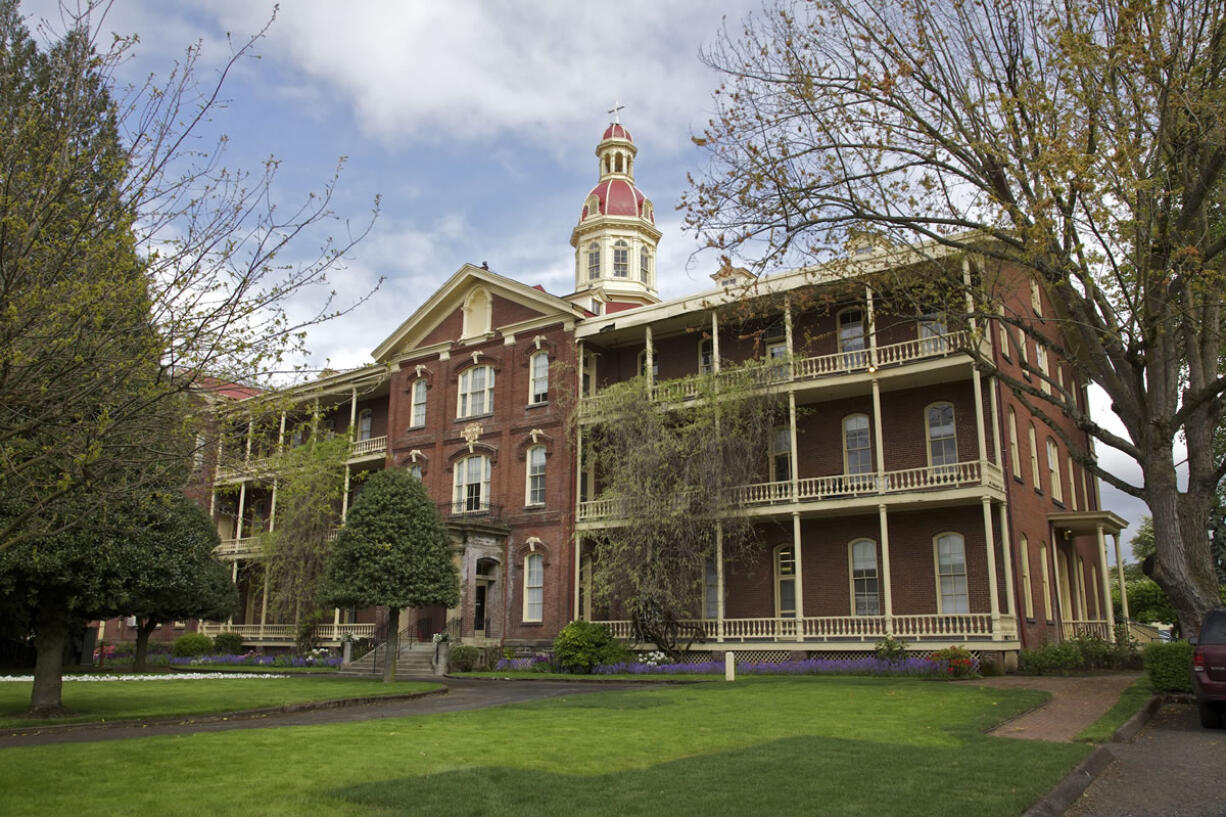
(475, 123)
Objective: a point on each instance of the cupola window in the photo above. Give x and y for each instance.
(621, 259)
(593, 260)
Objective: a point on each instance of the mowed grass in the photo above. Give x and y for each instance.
(123, 700)
(756, 747)
(1132, 701)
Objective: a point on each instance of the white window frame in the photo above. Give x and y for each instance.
(471, 471)
(534, 587)
(538, 378)
(785, 572)
(467, 404)
(1003, 332)
(593, 262)
(852, 344)
(931, 330)
(534, 483)
(861, 467)
(1040, 362)
(1072, 485)
(1023, 547)
(864, 574)
(1015, 462)
(644, 266)
(418, 404)
(706, 355)
(945, 464)
(781, 454)
(778, 350)
(1053, 471)
(710, 589)
(1046, 577)
(621, 259)
(953, 585)
(1036, 300)
(1034, 458)
(366, 425)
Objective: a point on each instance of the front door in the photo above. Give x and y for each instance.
(479, 617)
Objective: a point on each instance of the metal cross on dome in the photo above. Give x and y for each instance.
(616, 111)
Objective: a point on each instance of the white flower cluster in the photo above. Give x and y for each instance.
(177, 676)
(653, 659)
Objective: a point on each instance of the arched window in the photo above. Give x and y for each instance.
(621, 259)
(644, 265)
(851, 338)
(477, 313)
(864, 582)
(593, 260)
(476, 393)
(942, 440)
(785, 581)
(1015, 460)
(857, 446)
(538, 378)
(951, 573)
(419, 403)
(472, 485)
(365, 423)
(535, 493)
(534, 587)
(415, 471)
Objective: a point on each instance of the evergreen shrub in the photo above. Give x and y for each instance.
(192, 645)
(1169, 664)
(465, 658)
(228, 644)
(582, 645)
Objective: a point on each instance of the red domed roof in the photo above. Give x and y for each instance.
(616, 131)
(617, 197)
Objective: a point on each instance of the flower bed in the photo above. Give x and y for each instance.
(953, 663)
(177, 676)
(316, 658)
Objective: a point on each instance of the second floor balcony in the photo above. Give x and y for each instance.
(764, 498)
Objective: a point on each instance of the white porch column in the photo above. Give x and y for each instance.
(242, 503)
(345, 496)
(800, 573)
(878, 436)
(719, 582)
(650, 362)
(1006, 550)
(990, 546)
(980, 436)
(353, 413)
(886, 592)
(970, 300)
(793, 459)
(997, 450)
(714, 342)
(787, 328)
(872, 327)
(578, 577)
(1119, 568)
(1104, 571)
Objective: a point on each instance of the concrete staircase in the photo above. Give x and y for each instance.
(414, 660)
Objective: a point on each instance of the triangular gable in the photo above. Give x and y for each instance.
(437, 319)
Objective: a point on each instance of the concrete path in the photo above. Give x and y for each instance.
(462, 693)
(1075, 703)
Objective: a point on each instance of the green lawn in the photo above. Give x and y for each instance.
(120, 700)
(1132, 701)
(756, 747)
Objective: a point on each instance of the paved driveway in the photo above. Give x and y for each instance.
(1172, 768)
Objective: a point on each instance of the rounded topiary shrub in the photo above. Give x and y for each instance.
(583, 645)
(192, 645)
(228, 644)
(1169, 664)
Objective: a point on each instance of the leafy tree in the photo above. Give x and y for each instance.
(673, 472)
(393, 551)
(174, 574)
(1078, 141)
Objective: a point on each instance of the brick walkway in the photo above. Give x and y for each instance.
(1075, 704)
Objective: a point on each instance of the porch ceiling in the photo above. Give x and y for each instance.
(1087, 523)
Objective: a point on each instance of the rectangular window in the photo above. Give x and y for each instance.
(951, 573)
(781, 454)
(778, 351)
(644, 265)
(710, 590)
(593, 261)
(1072, 486)
(536, 475)
(942, 443)
(1027, 589)
(1022, 357)
(1034, 458)
(472, 485)
(365, 424)
(1040, 359)
(534, 587)
(1053, 471)
(785, 582)
(476, 392)
(419, 404)
(1046, 576)
(857, 445)
(851, 338)
(932, 331)
(1036, 301)
(1015, 461)
(706, 357)
(621, 260)
(538, 386)
(1004, 333)
(864, 578)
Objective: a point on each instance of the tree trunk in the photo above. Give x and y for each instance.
(51, 635)
(143, 630)
(392, 652)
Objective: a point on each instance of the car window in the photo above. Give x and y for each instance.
(1213, 631)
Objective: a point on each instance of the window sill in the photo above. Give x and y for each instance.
(1058, 503)
(415, 428)
(541, 404)
(532, 624)
(474, 417)
(1018, 480)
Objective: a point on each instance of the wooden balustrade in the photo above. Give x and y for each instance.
(865, 629)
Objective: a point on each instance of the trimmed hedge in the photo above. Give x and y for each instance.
(192, 645)
(582, 646)
(228, 644)
(1169, 665)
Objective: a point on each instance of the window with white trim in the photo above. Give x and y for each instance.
(621, 259)
(1036, 300)
(710, 589)
(655, 365)
(864, 582)
(538, 378)
(851, 337)
(785, 581)
(535, 494)
(472, 484)
(1072, 485)
(781, 454)
(942, 440)
(644, 265)
(1053, 470)
(415, 471)
(593, 261)
(1023, 547)
(857, 445)
(1022, 357)
(419, 403)
(932, 331)
(366, 419)
(1034, 458)
(951, 573)
(476, 393)
(1040, 362)
(534, 587)
(778, 351)
(1003, 331)
(1015, 461)
(1045, 575)
(706, 356)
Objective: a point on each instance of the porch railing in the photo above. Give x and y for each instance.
(1087, 628)
(257, 633)
(364, 448)
(236, 548)
(838, 486)
(930, 627)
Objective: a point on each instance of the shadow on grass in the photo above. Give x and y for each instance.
(814, 775)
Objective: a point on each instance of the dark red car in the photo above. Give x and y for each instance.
(1209, 670)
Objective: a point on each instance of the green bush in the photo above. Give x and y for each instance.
(1169, 664)
(1060, 658)
(958, 661)
(465, 658)
(228, 644)
(192, 645)
(583, 645)
(890, 649)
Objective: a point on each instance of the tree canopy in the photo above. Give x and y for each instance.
(1078, 141)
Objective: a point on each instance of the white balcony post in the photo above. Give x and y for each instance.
(250, 435)
(872, 327)
(1104, 571)
(649, 363)
(794, 460)
(719, 582)
(1006, 550)
(345, 496)
(578, 577)
(878, 436)
(787, 332)
(994, 407)
(970, 300)
(242, 503)
(800, 573)
(714, 342)
(1119, 568)
(887, 593)
(990, 548)
(980, 436)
